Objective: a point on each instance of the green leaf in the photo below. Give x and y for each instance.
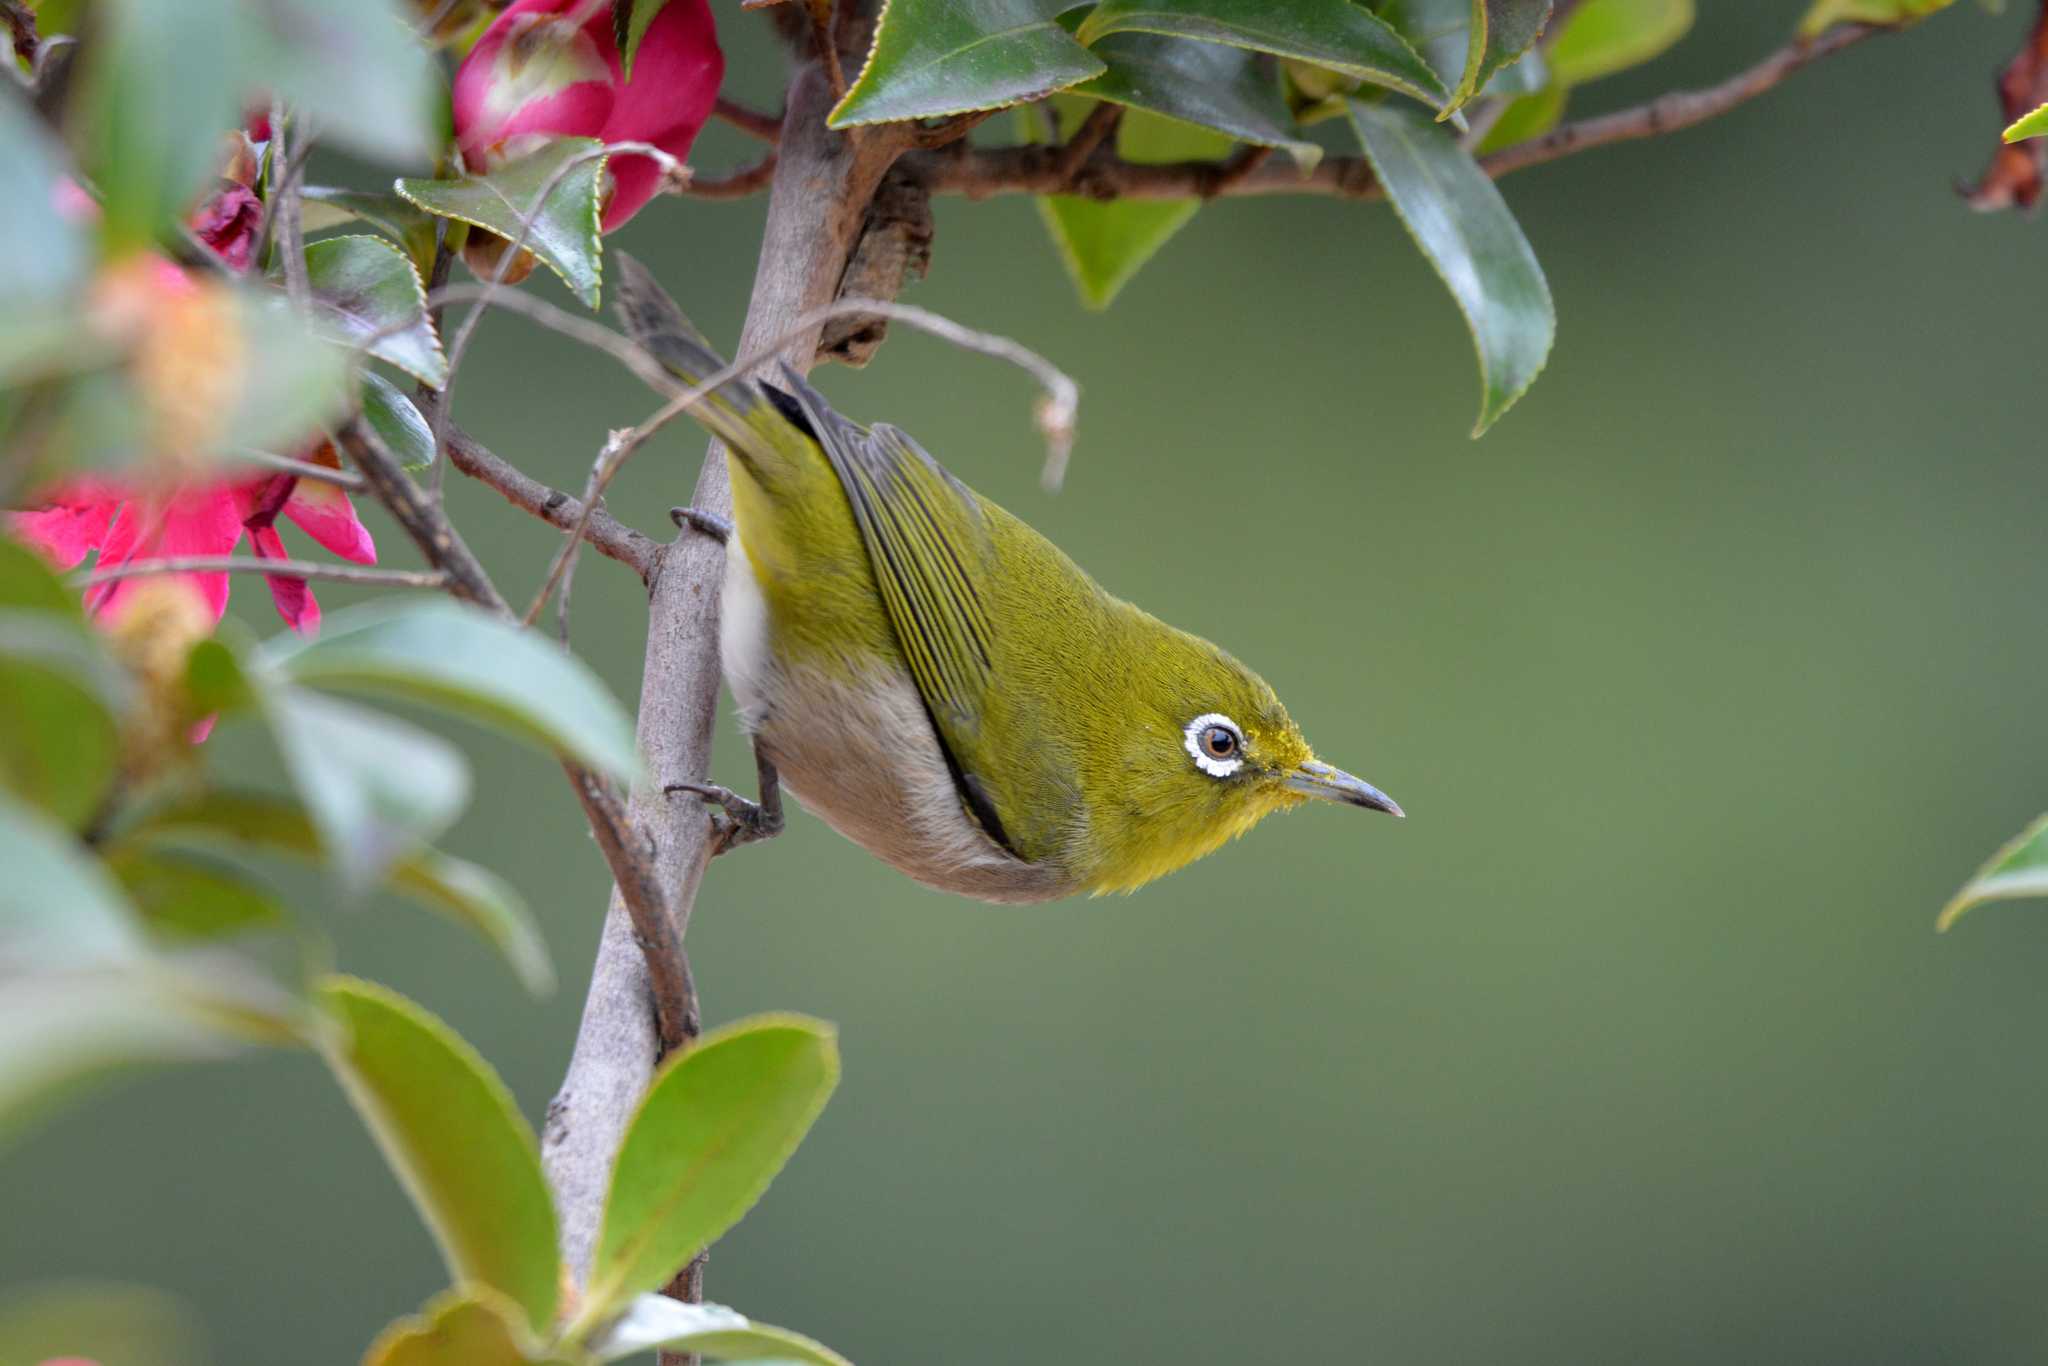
(366, 288)
(1341, 36)
(60, 1033)
(933, 58)
(1531, 116)
(474, 896)
(564, 231)
(715, 1127)
(478, 666)
(162, 81)
(1501, 31)
(62, 696)
(1601, 37)
(638, 14)
(378, 789)
(710, 1330)
(1458, 218)
(294, 384)
(1825, 14)
(471, 1326)
(455, 1138)
(354, 67)
(188, 899)
(59, 908)
(325, 207)
(105, 1322)
(2032, 125)
(27, 581)
(2020, 869)
(214, 681)
(394, 417)
(1104, 244)
(41, 255)
(1228, 89)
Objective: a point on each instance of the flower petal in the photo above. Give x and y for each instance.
(325, 513)
(202, 521)
(294, 597)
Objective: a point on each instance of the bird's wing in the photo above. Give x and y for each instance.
(928, 543)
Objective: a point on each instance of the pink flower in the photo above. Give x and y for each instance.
(125, 524)
(548, 69)
(228, 223)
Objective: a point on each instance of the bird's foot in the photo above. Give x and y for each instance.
(739, 821)
(705, 523)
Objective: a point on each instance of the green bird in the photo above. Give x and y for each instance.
(945, 687)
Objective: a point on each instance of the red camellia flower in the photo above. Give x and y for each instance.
(549, 69)
(228, 224)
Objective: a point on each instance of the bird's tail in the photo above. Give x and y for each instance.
(738, 411)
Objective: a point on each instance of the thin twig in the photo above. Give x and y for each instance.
(767, 127)
(283, 569)
(570, 325)
(1054, 415)
(738, 185)
(606, 534)
(828, 45)
(979, 172)
(304, 469)
(1074, 153)
(931, 136)
(285, 213)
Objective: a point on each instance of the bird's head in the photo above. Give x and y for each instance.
(1207, 751)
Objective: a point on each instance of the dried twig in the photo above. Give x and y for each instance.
(767, 127)
(1094, 130)
(284, 211)
(738, 185)
(606, 534)
(324, 570)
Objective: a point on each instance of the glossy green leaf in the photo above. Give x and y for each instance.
(1531, 116)
(932, 58)
(62, 697)
(1227, 89)
(396, 419)
(718, 1123)
(474, 896)
(2018, 870)
(104, 1322)
(1341, 36)
(710, 1330)
(355, 68)
(1601, 37)
(1500, 32)
(1456, 215)
(41, 255)
(471, 1326)
(1825, 14)
(368, 295)
(184, 898)
(161, 82)
(378, 789)
(323, 208)
(563, 230)
(480, 667)
(60, 1033)
(2032, 125)
(295, 382)
(454, 1135)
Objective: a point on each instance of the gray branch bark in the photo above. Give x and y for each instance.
(819, 198)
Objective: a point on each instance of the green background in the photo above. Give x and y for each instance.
(1705, 678)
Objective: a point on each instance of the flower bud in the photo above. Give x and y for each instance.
(548, 69)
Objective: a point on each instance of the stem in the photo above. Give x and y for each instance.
(282, 569)
(822, 186)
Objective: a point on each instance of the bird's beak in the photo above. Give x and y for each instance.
(1317, 779)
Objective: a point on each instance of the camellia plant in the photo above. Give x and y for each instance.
(202, 345)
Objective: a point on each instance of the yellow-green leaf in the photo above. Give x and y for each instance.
(713, 1130)
(2020, 869)
(2032, 125)
(473, 1326)
(1602, 37)
(1825, 14)
(453, 1134)
(710, 1330)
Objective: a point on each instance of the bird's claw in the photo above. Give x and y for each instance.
(739, 821)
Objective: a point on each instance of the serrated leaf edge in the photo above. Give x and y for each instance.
(419, 289)
(602, 156)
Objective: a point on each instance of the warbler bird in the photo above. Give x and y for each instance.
(945, 687)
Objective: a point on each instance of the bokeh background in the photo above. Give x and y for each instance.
(1706, 677)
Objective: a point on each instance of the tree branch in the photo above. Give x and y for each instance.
(607, 534)
(738, 185)
(325, 570)
(767, 127)
(980, 172)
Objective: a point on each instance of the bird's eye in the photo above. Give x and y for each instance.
(1215, 743)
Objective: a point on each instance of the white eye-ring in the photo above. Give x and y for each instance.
(1215, 743)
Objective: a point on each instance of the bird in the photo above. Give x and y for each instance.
(939, 682)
